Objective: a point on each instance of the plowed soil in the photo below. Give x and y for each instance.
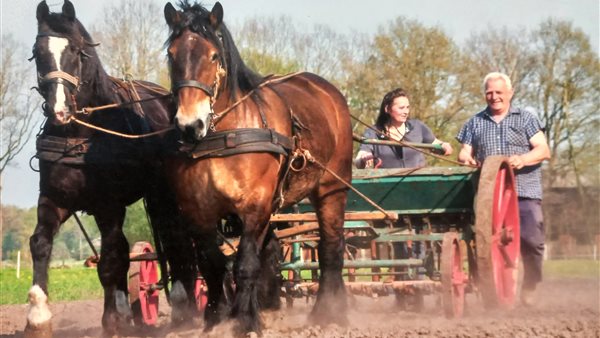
(564, 308)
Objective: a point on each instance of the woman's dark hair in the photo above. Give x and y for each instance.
(383, 118)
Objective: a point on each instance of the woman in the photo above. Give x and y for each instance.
(393, 123)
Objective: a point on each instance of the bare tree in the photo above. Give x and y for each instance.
(565, 88)
(17, 107)
(279, 45)
(131, 40)
(17, 102)
(499, 50)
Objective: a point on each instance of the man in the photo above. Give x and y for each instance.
(501, 129)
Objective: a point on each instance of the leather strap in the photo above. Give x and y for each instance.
(238, 141)
(194, 84)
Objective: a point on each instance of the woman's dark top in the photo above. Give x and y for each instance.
(401, 157)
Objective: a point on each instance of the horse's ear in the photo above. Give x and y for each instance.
(68, 10)
(42, 11)
(216, 15)
(171, 15)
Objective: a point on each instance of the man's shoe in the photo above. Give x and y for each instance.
(527, 297)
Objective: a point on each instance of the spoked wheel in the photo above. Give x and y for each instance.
(200, 291)
(497, 233)
(453, 276)
(143, 293)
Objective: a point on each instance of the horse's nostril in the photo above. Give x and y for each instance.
(200, 125)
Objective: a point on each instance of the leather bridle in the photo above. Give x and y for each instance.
(60, 77)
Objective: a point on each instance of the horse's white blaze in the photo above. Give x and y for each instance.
(57, 47)
(189, 114)
(38, 313)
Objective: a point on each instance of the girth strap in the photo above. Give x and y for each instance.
(238, 141)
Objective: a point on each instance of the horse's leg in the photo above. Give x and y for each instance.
(331, 298)
(113, 267)
(49, 217)
(269, 284)
(213, 266)
(246, 274)
(178, 250)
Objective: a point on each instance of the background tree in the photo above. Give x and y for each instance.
(18, 225)
(18, 105)
(565, 89)
(420, 59)
(136, 226)
(131, 41)
(498, 50)
(279, 46)
(17, 102)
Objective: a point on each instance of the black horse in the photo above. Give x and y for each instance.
(84, 169)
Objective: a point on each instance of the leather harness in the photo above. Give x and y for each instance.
(238, 141)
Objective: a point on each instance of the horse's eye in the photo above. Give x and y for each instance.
(214, 57)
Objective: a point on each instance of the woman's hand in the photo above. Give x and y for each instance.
(447, 148)
(366, 159)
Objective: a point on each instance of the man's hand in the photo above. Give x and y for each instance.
(516, 161)
(466, 155)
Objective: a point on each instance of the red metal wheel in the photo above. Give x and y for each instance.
(143, 294)
(454, 277)
(200, 291)
(497, 233)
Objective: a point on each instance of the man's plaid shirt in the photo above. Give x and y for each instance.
(509, 137)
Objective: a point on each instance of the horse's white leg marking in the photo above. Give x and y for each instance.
(38, 313)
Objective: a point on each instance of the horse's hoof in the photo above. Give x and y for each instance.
(38, 331)
(39, 323)
(122, 304)
(180, 311)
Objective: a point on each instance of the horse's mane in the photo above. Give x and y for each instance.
(196, 18)
(58, 24)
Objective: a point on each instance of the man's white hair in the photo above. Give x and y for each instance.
(496, 76)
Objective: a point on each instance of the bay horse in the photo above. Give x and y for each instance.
(251, 145)
(83, 169)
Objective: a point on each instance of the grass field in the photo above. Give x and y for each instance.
(64, 284)
(77, 283)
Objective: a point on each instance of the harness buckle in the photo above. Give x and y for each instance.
(230, 140)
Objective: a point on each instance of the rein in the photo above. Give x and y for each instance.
(116, 133)
(216, 117)
(89, 110)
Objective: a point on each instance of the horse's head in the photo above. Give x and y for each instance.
(197, 65)
(59, 52)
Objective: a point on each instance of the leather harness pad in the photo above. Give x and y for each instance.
(61, 149)
(238, 141)
(84, 151)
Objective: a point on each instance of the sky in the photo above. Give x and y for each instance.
(458, 18)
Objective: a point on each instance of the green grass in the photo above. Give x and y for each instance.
(75, 283)
(573, 268)
(78, 283)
